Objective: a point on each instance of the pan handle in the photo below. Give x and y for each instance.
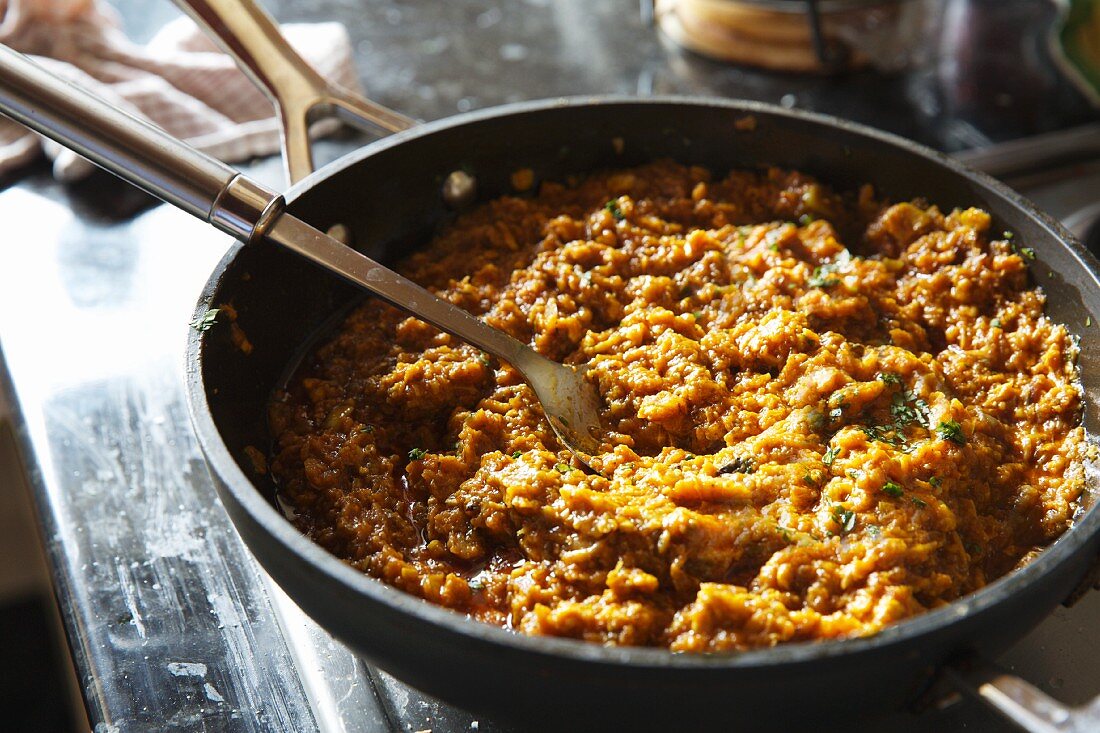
(1020, 701)
(301, 95)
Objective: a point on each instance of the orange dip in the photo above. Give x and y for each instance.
(830, 413)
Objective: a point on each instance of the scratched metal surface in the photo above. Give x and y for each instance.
(172, 624)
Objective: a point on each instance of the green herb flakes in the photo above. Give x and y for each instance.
(830, 455)
(562, 468)
(889, 378)
(935, 482)
(816, 419)
(908, 409)
(517, 453)
(206, 321)
(884, 434)
(996, 323)
(1027, 253)
(417, 453)
(952, 431)
(917, 501)
(823, 277)
(893, 489)
(612, 206)
(845, 518)
(812, 478)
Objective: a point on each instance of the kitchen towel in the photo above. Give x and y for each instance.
(180, 80)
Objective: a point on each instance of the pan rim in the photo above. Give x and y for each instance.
(289, 539)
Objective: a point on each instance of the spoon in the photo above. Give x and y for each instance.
(152, 160)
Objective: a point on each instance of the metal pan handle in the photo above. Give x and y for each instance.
(1019, 701)
(301, 95)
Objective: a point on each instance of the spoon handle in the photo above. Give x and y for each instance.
(312, 244)
(132, 149)
(153, 160)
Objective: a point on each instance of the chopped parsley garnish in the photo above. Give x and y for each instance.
(517, 453)
(483, 359)
(996, 323)
(908, 409)
(806, 219)
(837, 401)
(951, 430)
(816, 419)
(417, 453)
(884, 434)
(823, 277)
(1027, 253)
(889, 378)
(612, 206)
(697, 315)
(830, 455)
(935, 482)
(892, 488)
(562, 468)
(918, 501)
(846, 518)
(364, 429)
(206, 321)
(741, 464)
(812, 478)
(1008, 235)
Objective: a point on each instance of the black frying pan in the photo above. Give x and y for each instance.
(388, 195)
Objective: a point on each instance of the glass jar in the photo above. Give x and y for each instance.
(817, 36)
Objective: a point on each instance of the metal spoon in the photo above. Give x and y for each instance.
(152, 160)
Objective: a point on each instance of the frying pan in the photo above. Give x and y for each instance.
(388, 197)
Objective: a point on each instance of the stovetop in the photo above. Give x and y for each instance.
(172, 624)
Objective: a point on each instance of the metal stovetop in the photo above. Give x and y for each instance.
(172, 624)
